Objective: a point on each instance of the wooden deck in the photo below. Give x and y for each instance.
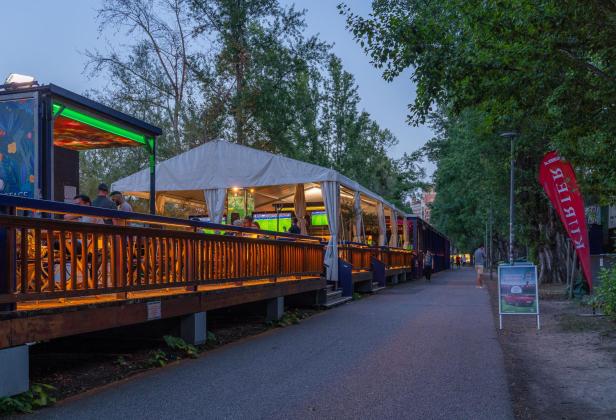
(45, 323)
(61, 278)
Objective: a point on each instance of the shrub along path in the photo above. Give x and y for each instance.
(417, 350)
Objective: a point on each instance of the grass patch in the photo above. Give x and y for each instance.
(576, 323)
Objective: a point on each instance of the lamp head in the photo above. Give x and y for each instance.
(509, 134)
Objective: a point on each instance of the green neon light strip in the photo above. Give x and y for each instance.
(100, 124)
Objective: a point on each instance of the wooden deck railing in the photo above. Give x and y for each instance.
(394, 257)
(44, 258)
(55, 258)
(359, 256)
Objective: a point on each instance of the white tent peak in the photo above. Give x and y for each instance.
(221, 164)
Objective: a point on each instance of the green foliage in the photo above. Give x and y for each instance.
(606, 292)
(546, 69)
(357, 296)
(157, 358)
(176, 343)
(37, 396)
(122, 362)
(243, 71)
(211, 338)
(291, 317)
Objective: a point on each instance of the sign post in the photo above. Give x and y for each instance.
(518, 293)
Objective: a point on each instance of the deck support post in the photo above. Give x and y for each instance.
(7, 260)
(394, 279)
(14, 370)
(193, 328)
(275, 308)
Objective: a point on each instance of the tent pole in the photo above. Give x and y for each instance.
(152, 161)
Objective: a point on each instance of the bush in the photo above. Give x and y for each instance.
(176, 343)
(606, 292)
(36, 397)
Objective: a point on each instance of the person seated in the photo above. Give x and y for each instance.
(82, 200)
(250, 223)
(235, 220)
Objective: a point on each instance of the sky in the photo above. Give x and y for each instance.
(47, 39)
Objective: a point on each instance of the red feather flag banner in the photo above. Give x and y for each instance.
(558, 181)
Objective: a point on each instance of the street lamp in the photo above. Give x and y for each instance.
(278, 207)
(511, 135)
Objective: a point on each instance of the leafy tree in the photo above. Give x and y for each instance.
(544, 68)
(244, 71)
(260, 51)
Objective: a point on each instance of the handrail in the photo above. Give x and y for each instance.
(359, 256)
(47, 206)
(58, 259)
(50, 258)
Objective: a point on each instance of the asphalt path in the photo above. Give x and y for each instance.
(416, 350)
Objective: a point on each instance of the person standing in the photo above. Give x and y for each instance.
(295, 227)
(458, 261)
(102, 200)
(428, 265)
(120, 202)
(480, 257)
(122, 205)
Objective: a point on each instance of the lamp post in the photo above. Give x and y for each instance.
(491, 242)
(511, 135)
(278, 207)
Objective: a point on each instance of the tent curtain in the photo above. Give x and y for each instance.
(160, 204)
(299, 203)
(357, 213)
(215, 201)
(380, 215)
(405, 233)
(331, 198)
(393, 218)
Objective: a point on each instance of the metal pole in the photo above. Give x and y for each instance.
(511, 206)
(152, 164)
(491, 244)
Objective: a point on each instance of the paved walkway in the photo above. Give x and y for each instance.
(416, 350)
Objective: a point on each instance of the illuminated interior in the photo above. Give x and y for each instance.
(76, 130)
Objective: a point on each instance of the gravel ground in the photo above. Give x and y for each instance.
(417, 350)
(566, 370)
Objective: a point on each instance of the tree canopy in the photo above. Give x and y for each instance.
(245, 71)
(545, 69)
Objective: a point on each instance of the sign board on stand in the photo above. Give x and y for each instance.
(518, 293)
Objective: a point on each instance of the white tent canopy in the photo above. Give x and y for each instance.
(219, 164)
(210, 170)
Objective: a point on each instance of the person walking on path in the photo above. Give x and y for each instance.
(480, 257)
(428, 265)
(458, 261)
